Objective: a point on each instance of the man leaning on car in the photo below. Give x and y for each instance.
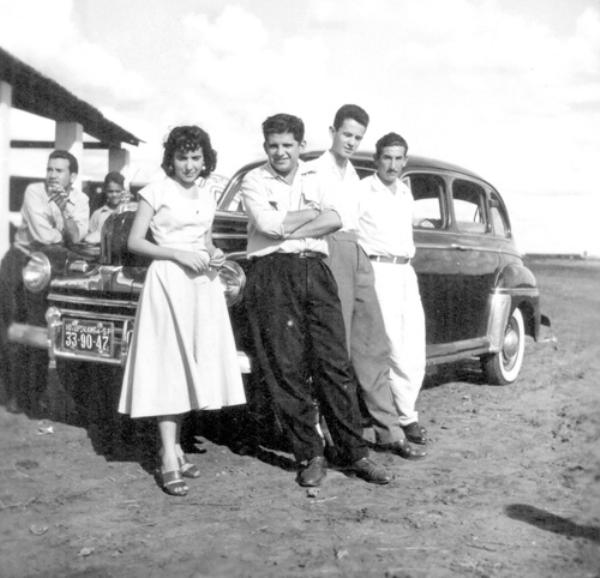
(54, 211)
(386, 234)
(365, 329)
(293, 308)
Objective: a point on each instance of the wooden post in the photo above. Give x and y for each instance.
(69, 137)
(5, 107)
(118, 159)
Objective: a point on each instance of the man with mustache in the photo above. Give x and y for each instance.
(54, 211)
(385, 232)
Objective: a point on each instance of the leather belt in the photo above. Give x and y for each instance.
(310, 255)
(390, 259)
(299, 254)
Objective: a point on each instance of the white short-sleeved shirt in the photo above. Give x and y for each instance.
(385, 218)
(267, 198)
(339, 187)
(179, 221)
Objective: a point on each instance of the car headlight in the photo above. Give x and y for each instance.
(233, 278)
(37, 272)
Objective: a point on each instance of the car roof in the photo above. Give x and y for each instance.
(365, 158)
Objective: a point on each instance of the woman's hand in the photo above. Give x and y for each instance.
(198, 262)
(217, 259)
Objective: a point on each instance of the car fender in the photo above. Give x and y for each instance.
(515, 286)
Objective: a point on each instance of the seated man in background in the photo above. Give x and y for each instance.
(113, 191)
(54, 211)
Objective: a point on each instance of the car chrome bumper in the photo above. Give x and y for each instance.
(51, 339)
(31, 335)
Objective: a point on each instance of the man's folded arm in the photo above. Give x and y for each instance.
(326, 222)
(266, 217)
(40, 229)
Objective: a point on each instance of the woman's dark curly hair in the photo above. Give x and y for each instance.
(185, 139)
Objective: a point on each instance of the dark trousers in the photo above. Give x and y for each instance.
(296, 323)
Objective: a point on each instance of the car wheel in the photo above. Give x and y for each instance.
(503, 367)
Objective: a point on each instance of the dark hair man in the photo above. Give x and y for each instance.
(54, 211)
(385, 232)
(293, 307)
(353, 272)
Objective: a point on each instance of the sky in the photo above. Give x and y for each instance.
(507, 88)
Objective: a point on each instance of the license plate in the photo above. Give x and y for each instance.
(89, 337)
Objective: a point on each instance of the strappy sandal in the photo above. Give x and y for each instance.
(172, 483)
(188, 469)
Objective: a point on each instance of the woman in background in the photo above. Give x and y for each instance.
(182, 355)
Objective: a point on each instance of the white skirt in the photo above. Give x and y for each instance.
(182, 355)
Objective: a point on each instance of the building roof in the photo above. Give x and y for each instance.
(39, 95)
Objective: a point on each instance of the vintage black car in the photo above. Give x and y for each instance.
(480, 299)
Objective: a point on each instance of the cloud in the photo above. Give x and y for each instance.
(45, 36)
(499, 87)
(232, 32)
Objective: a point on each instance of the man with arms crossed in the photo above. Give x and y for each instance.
(385, 232)
(293, 308)
(365, 331)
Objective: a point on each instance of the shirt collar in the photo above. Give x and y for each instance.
(379, 185)
(329, 158)
(302, 169)
(105, 208)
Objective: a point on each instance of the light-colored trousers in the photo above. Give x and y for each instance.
(400, 302)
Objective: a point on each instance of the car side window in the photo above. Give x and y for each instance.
(428, 194)
(233, 201)
(469, 206)
(498, 217)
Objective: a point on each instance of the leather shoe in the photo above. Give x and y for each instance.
(313, 473)
(415, 433)
(247, 447)
(371, 472)
(403, 449)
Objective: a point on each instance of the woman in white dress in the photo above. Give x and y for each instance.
(182, 355)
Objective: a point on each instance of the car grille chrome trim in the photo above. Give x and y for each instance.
(117, 317)
(58, 298)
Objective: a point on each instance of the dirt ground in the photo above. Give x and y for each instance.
(511, 486)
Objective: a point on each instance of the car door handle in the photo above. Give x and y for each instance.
(459, 247)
